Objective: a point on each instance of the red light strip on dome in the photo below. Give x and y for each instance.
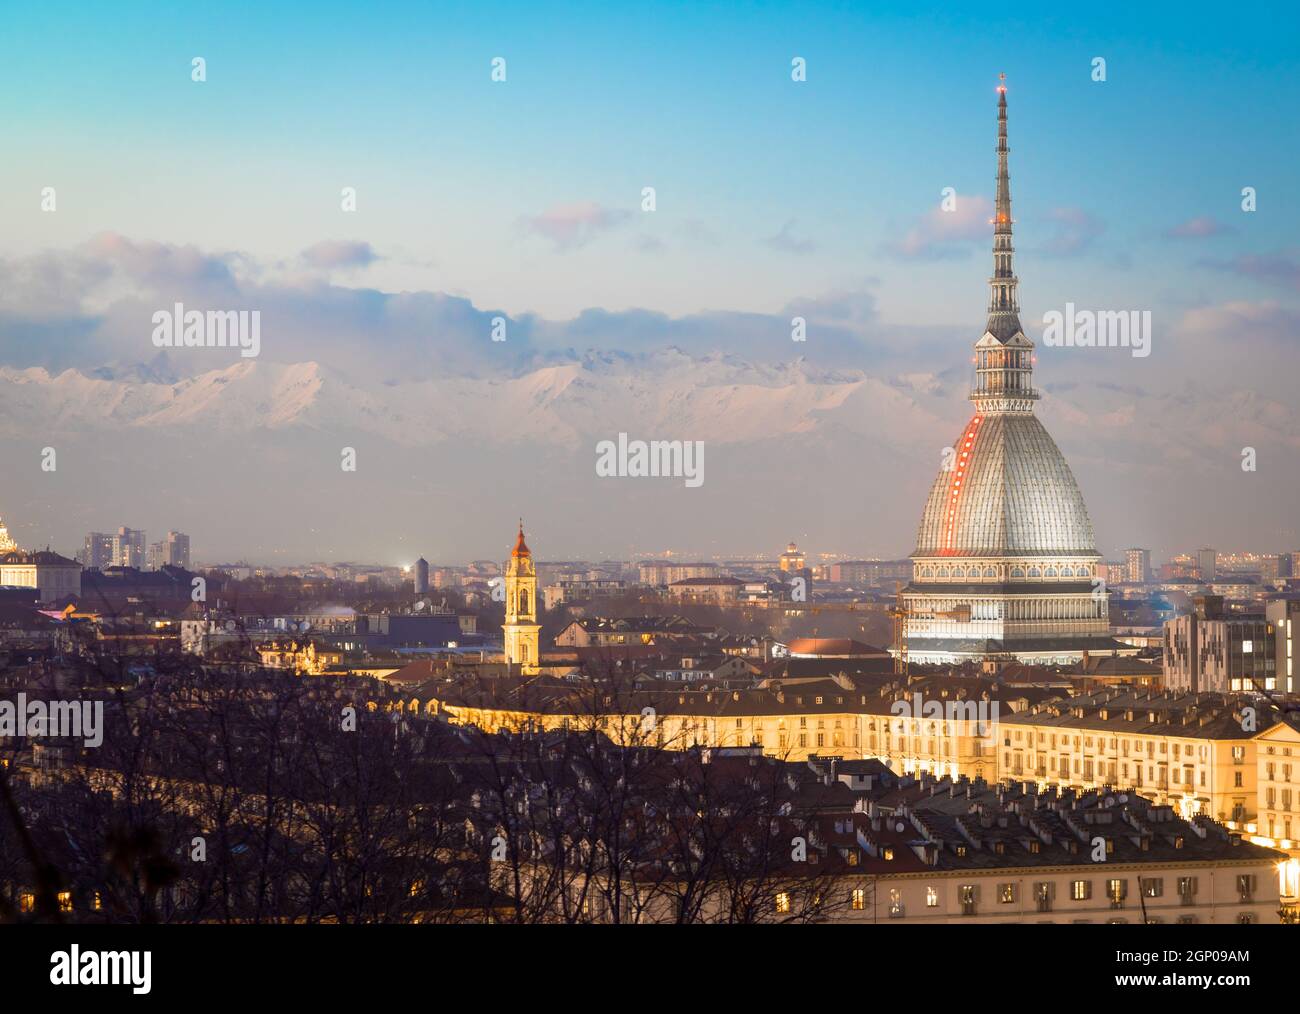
(959, 473)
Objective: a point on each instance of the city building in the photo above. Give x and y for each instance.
(661, 573)
(7, 544)
(53, 576)
(792, 560)
(421, 580)
(127, 548)
(1207, 564)
(1276, 822)
(98, 551)
(521, 626)
(717, 591)
(869, 572)
(969, 851)
(172, 551)
(1005, 558)
(1211, 650)
(1196, 752)
(1137, 564)
(574, 591)
(1284, 615)
(613, 632)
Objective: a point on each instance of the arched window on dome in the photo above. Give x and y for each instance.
(1080, 571)
(1035, 572)
(944, 572)
(990, 572)
(1050, 572)
(1017, 571)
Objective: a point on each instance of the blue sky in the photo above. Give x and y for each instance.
(696, 100)
(523, 198)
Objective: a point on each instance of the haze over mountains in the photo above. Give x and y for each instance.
(245, 454)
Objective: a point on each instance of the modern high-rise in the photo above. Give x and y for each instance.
(98, 551)
(521, 626)
(420, 581)
(1284, 615)
(1137, 566)
(1216, 651)
(128, 548)
(1005, 559)
(1208, 562)
(173, 551)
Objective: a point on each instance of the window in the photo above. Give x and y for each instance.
(1007, 894)
(895, 903)
(858, 899)
(1187, 890)
(966, 895)
(931, 898)
(782, 903)
(1043, 895)
(1116, 891)
(1081, 890)
(1152, 887)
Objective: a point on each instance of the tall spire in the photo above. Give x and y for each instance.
(1004, 308)
(1004, 361)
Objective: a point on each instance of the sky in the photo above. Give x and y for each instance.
(523, 199)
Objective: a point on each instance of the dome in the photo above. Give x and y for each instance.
(1011, 495)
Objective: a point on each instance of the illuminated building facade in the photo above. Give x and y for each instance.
(1005, 559)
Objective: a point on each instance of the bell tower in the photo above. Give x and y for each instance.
(521, 626)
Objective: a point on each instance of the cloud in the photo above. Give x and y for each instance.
(1075, 230)
(330, 254)
(1281, 268)
(163, 264)
(940, 234)
(570, 226)
(1198, 228)
(786, 241)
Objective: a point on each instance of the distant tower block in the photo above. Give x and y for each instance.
(521, 627)
(421, 576)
